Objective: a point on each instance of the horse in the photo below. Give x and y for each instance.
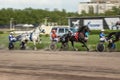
(115, 35)
(111, 38)
(81, 37)
(64, 40)
(33, 36)
(117, 24)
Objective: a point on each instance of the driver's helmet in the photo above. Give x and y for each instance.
(53, 31)
(11, 33)
(102, 30)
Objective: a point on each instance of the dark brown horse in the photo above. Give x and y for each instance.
(116, 36)
(81, 35)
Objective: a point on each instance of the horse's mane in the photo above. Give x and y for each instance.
(83, 29)
(113, 33)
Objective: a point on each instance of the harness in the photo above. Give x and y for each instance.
(78, 34)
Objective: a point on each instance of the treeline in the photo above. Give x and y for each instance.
(34, 16)
(38, 16)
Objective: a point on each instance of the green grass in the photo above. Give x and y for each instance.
(92, 42)
(3, 40)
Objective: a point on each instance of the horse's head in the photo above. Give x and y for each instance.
(82, 28)
(41, 30)
(36, 32)
(86, 29)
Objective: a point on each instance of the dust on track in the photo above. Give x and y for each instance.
(59, 65)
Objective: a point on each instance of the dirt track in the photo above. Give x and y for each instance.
(59, 65)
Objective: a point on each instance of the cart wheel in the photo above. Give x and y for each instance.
(100, 47)
(10, 46)
(53, 46)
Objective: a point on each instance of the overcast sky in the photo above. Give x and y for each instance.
(69, 5)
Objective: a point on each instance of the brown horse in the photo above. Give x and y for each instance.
(72, 38)
(116, 36)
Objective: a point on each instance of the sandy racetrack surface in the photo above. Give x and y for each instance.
(59, 65)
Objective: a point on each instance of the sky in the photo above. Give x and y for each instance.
(68, 5)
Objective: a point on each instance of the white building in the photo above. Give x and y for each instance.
(97, 6)
(112, 1)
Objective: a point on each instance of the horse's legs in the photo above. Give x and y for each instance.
(34, 42)
(85, 45)
(39, 40)
(72, 43)
(22, 45)
(62, 46)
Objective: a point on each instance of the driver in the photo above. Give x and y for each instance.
(53, 36)
(11, 37)
(102, 36)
